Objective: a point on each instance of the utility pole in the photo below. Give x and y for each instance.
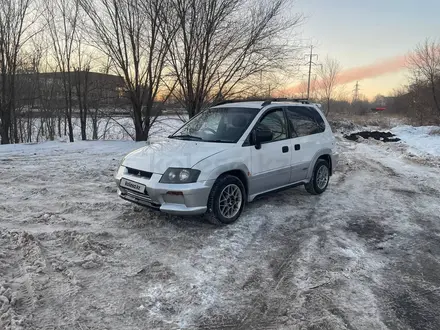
(310, 63)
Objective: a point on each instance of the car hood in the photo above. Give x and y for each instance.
(156, 157)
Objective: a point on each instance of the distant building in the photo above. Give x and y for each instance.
(37, 90)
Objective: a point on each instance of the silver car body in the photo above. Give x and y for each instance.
(269, 168)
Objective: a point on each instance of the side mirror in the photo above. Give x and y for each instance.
(262, 135)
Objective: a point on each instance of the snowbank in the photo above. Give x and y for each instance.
(419, 139)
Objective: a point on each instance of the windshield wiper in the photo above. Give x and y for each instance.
(219, 141)
(185, 136)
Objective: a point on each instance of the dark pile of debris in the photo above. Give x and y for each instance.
(380, 136)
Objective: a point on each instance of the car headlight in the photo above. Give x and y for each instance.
(180, 175)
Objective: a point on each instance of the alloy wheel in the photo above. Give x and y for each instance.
(230, 201)
(322, 177)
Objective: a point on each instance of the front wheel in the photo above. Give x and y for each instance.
(320, 178)
(226, 200)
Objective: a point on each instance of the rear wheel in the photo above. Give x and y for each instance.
(226, 200)
(320, 178)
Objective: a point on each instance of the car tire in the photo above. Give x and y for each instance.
(217, 205)
(317, 185)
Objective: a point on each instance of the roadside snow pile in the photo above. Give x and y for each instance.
(419, 139)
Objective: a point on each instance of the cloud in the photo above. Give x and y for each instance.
(390, 65)
(379, 68)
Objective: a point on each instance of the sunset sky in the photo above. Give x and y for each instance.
(369, 38)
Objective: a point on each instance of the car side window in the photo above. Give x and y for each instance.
(305, 121)
(275, 122)
(317, 117)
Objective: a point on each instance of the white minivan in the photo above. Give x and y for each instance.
(229, 154)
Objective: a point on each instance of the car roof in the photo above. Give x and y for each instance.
(257, 105)
(250, 104)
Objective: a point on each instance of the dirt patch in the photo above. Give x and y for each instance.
(377, 135)
(368, 229)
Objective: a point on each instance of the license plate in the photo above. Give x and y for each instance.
(133, 185)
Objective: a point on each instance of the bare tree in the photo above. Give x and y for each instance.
(302, 89)
(15, 24)
(328, 74)
(26, 96)
(424, 63)
(417, 103)
(135, 35)
(82, 85)
(221, 43)
(50, 110)
(62, 17)
(265, 84)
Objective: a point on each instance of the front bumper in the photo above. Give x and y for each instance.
(180, 199)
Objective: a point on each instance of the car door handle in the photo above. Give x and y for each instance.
(297, 147)
(285, 149)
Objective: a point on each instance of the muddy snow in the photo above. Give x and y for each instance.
(364, 255)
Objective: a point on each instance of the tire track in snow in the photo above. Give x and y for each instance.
(317, 241)
(281, 235)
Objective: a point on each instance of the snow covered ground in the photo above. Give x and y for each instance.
(420, 139)
(364, 255)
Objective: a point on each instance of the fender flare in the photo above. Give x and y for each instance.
(322, 152)
(234, 166)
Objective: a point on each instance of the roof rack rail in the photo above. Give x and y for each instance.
(239, 100)
(266, 101)
(269, 101)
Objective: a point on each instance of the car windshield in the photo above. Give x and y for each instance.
(225, 125)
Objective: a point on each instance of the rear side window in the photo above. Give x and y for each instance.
(305, 121)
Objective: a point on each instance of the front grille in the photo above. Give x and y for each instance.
(139, 173)
(137, 195)
(139, 198)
